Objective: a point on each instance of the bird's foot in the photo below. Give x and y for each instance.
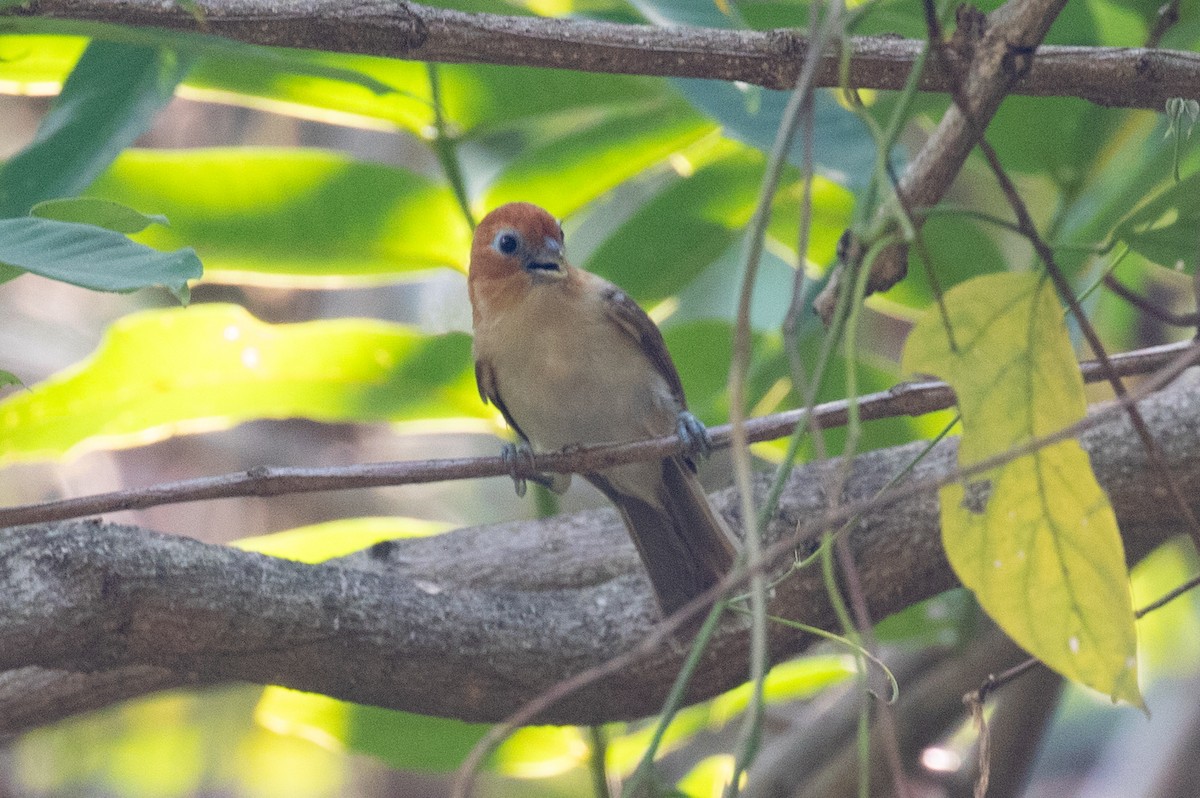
(519, 457)
(516, 455)
(694, 436)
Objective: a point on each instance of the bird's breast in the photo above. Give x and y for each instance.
(568, 374)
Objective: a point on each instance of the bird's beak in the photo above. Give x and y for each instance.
(547, 259)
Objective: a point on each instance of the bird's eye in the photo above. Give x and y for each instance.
(506, 242)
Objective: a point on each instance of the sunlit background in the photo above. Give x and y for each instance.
(313, 200)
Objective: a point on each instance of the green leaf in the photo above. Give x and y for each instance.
(945, 620)
(164, 746)
(478, 99)
(251, 59)
(418, 742)
(1164, 230)
(959, 248)
(714, 293)
(111, 97)
(674, 236)
(165, 372)
(702, 351)
(485, 99)
(832, 213)
(572, 169)
(404, 740)
(309, 81)
(796, 680)
(93, 257)
(101, 213)
(301, 213)
(1167, 646)
(1082, 131)
(1112, 23)
(752, 114)
(7, 378)
(1035, 539)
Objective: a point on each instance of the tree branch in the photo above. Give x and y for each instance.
(905, 399)
(1126, 77)
(123, 603)
(992, 53)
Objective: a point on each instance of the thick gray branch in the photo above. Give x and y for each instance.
(473, 623)
(1128, 77)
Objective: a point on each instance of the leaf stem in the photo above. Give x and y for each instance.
(446, 146)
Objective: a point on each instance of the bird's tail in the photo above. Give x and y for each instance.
(684, 545)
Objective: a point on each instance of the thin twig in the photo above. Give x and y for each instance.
(985, 748)
(1167, 16)
(859, 622)
(675, 699)
(597, 761)
(446, 147)
(1146, 306)
(995, 682)
(906, 399)
(1170, 596)
(739, 370)
(1001, 47)
(795, 312)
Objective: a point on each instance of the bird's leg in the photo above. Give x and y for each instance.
(694, 436)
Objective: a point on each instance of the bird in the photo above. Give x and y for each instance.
(569, 360)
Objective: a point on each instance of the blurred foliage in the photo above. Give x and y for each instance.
(656, 180)
(416, 742)
(320, 542)
(291, 213)
(110, 97)
(176, 744)
(163, 372)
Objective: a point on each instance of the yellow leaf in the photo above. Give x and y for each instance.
(1036, 538)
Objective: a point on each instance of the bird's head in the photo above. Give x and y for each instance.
(518, 238)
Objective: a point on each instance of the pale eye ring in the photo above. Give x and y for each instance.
(507, 242)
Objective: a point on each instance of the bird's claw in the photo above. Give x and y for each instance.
(694, 436)
(516, 455)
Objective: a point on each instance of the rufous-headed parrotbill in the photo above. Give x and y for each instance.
(569, 359)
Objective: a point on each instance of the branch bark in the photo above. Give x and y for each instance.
(996, 51)
(1126, 77)
(504, 611)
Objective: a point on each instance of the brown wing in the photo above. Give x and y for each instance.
(489, 391)
(633, 320)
